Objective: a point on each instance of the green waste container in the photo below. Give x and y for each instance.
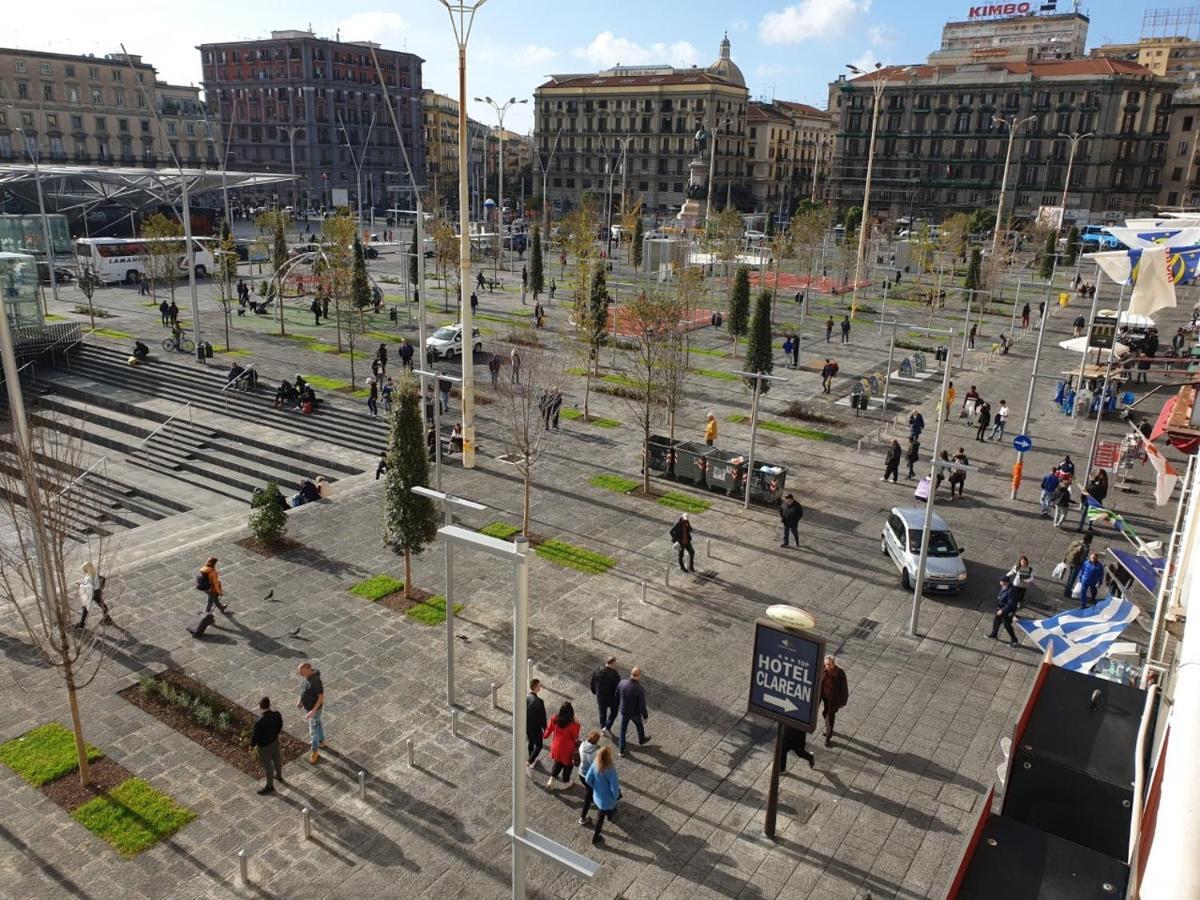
(691, 461)
(658, 453)
(767, 484)
(725, 471)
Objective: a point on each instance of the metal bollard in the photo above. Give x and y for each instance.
(708, 548)
(667, 576)
(619, 616)
(592, 627)
(528, 670)
(408, 745)
(643, 590)
(362, 785)
(495, 697)
(454, 722)
(243, 867)
(306, 823)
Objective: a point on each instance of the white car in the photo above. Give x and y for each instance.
(901, 540)
(447, 342)
(756, 237)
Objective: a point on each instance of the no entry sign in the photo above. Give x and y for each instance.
(785, 677)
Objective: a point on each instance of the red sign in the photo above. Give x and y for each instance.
(999, 9)
(1108, 454)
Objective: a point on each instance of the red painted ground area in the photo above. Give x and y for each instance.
(822, 285)
(701, 318)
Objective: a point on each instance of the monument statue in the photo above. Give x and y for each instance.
(700, 142)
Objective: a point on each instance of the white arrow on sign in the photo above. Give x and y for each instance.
(785, 705)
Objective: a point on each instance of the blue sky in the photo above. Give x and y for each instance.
(789, 50)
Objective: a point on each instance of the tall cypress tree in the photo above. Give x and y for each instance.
(598, 310)
(1072, 245)
(739, 305)
(758, 344)
(635, 249)
(1046, 262)
(410, 521)
(972, 280)
(360, 286)
(412, 260)
(537, 278)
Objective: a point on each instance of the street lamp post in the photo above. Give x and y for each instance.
(357, 160)
(500, 109)
(759, 378)
(1019, 465)
(462, 18)
(877, 86)
(1075, 137)
(34, 152)
(712, 166)
(1014, 124)
(545, 167)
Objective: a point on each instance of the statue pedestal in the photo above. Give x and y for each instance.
(693, 210)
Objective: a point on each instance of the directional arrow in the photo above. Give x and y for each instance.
(785, 705)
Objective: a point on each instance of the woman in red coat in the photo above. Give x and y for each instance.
(563, 731)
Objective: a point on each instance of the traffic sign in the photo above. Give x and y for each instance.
(1022, 443)
(1108, 455)
(785, 681)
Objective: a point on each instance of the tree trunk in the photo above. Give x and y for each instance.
(646, 454)
(227, 312)
(279, 300)
(587, 390)
(85, 771)
(407, 574)
(337, 321)
(528, 485)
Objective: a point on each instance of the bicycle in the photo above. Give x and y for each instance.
(187, 345)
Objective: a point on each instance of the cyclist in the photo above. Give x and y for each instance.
(177, 334)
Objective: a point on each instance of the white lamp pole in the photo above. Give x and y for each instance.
(357, 161)
(1014, 125)
(877, 89)
(500, 111)
(1074, 138)
(546, 171)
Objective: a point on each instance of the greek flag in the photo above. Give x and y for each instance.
(1078, 637)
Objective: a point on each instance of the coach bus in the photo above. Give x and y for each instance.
(115, 260)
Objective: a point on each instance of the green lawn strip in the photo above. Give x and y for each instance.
(44, 754)
(617, 483)
(362, 394)
(331, 348)
(302, 338)
(113, 333)
(606, 423)
(432, 611)
(376, 587)
(384, 336)
(233, 352)
(717, 374)
(327, 384)
(704, 351)
(573, 557)
(683, 502)
(51, 317)
(571, 414)
(577, 370)
(623, 381)
(500, 318)
(783, 428)
(500, 530)
(133, 816)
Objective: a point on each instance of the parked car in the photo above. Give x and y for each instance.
(447, 342)
(756, 237)
(62, 274)
(901, 540)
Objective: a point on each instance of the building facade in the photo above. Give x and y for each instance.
(1011, 32)
(812, 149)
(1177, 58)
(87, 110)
(635, 126)
(315, 105)
(941, 146)
(439, 115)
(770, 163)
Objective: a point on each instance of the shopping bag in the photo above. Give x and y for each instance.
(922, 492)
(1077, 591)
(1060, 571)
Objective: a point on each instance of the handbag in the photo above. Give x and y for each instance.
(575, 760)
(922, 492)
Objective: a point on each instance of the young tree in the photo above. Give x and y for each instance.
(631, 218)
(674, 367)
(268, 521)
(226, 261)
(164, 247)
(412, 259)
(523, 409)
(639, 238)
(88, 282)
(410, 521)
(590, 318)
(1046, 257)
(974, 277)
(739, 306)
(852, 218)
(338, 251)
(537, 275)
(725, 236)
(41, 508)
(652, 319)
(360, 285)
(982, 221)
(445, 244)
(1072, 245)
(758, 344)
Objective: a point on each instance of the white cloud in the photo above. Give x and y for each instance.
(606, 49)
(867, 61)
(882, 35)
(812, 20)
(381, 27)
(533, 55)
(739, 24)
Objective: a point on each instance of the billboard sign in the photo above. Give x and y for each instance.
(785, 679)
(990, 10)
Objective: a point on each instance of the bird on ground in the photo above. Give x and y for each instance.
(296, 633)
(270, 598)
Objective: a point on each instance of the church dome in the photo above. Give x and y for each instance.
(725, 68)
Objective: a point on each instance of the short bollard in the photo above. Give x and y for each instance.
(454, 722)
(619, 616)
(408, 745)
(362, 785)
(306, 823)
(643, 590)
(495, 695)
(592, 627)
(667, 576)
(708, 548)
(562, 648)
(528, 670)
(243, 867)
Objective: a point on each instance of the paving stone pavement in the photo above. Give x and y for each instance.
(883, 813)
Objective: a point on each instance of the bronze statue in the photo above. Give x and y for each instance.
(700, 142)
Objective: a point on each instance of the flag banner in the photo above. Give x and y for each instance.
(1078, 637)
(1166, 475)
(1141, 238)
(1153, 288)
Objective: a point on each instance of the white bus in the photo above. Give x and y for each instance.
(115, 260)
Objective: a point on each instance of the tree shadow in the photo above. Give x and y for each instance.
(21, 652)
(264, 643)
(315, 558)
(44, 866)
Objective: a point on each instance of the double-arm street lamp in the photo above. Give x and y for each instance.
(1014, 124)
(1074, 138)
(877, 86)
(545, 167)
(500, 109)
(712, 166)
(356, 160)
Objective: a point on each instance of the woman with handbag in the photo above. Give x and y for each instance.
(563, 732)
(91, 593)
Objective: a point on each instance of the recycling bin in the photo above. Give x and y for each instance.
(691, 461)
(767, 484)
(725, 471)
(658, 453)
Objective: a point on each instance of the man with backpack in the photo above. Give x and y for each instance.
(790, 513)
(828, 371)
(208, 581)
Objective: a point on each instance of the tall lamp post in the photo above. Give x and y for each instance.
(462, 19)
(291, 133)
(500, 109)
(712, 166)
(225, 160)
(1074, 138)
(34, 152)
(877, 86)
(357, 160)
(1014, 124)
(545, 167)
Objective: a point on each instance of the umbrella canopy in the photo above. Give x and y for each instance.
(1127, 318)
(1079, 345)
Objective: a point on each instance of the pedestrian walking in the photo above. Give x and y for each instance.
(912, 457)
(958, 477)
(535, 721)
(999, 421)
(388, 389)
(985, 419)
(479, 281)
(1021, 576)
(1074, 558)
(828, 329)
(891, 462)
(916, 424)
(373, 397)
(376, 368)
(444, 386)
(827, 372)
(795, 350)
(845, 329)
(563, 731)
(494, 369)
(948, 400)
(406, 355)
(381, 354)
(514, 361)
(970, 405)
(971, 336)
(1091, 578)
(524, 277)
(604, 686)
(315, 307)
(1025, 316)
(1006, 608)
(1093, 494)
(632, 697)
(208, 580)
(164, 312)
(681, 537)
(173, 313)
(91, 593)
(539, 314)
(264, 740)
(556, 402)
(587, 756)
(944, 458)
(1061, 502)
(835, 693)
(312, 701)
(544, 409)
(1049, 486)
(795, 741)
(474, 302)
(710, 429)
(325, 307)
(790, 513)
(606, 788)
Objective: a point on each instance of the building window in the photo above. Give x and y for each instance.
(122, 124)
(1177, 173)
(77, 123)
(73, 94)
(27, 120)
(119, 97)
(23, 90)
(51, 120)
(1187, 123)
(97, 96)
(47, 92)
(116, 74)
(19, 65)
(94, 73)
(1182, 149)
(69, 71)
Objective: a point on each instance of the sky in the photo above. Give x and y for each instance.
(787, 50)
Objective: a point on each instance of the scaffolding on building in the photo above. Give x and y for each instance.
(1174, 22)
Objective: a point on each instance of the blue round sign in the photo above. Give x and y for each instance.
(1022, 443)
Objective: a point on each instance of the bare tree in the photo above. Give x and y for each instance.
(653, 322)
(41, 554)
(526, 410)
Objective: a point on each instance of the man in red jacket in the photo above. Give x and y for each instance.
(834, 694)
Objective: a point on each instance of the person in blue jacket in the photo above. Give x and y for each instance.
(1091, 576)
(1049, 486)
(601, 777)
(1006, 608)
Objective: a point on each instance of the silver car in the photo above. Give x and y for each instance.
(901, 540)
(447, 342)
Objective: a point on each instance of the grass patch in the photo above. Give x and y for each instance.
(327, 384)
(683, 502)
(571, 414)
(616, 483)
(302, 338)
(606, 423)
(500, 530)
(133, 816)
(432, 611)
(704, 351)
(717, 374)
(114, 334)
(377, 587)
(44, 754)
(783, 428)
(623, 381)
(322, 347)
(572, 557)
(578, 371)
(362, 394)
(51, 317)
(228, 352)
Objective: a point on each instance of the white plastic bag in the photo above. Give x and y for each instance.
(1077, 591)
(1060, 572)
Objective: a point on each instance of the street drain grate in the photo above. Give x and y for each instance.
(864, 629)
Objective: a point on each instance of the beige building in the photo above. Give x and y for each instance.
(1013, 36)
(770, 145)
(1177, 58)
(518, 154)
(95, 111)
(812, 148)
(439, 115)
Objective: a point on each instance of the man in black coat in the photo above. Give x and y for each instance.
(681, 535)
(604, 685)
(535, 721)
(1006, 608)
(790, 513)
(794, 741)
(632, 697)
(264, 740)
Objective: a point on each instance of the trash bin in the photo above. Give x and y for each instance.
(691, 461)
(658, 453)
(767, 484)
(1063, 298)
(725, 471)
